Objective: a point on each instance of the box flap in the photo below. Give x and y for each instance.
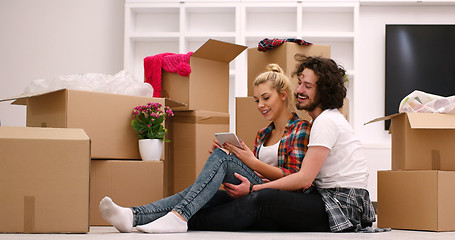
(20, 99)
(424, 120)
(431, 120)
(219, 51)
(42, 133)
(174, 104)
(383, 118)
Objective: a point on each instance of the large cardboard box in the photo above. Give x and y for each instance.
(248, 120)
(192, 136)
(44, 180)
(207, 87)
(416, 200)
(128, 183)
(422, 141)
(282, 55)
(105, 117)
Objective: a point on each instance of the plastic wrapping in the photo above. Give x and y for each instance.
(120, 83)
(422, 102)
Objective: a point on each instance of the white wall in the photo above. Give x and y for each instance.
(370, 74)
(47, 38)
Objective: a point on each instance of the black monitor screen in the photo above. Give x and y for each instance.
(418, 57)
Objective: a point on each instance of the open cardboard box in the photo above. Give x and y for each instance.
(422, 141)
(44, 180)
(282, 55)
(248, 120)
(416, 200)
(207, 87)
(128, 183)
(105, 117)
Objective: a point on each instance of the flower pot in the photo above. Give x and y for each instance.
(150, 149)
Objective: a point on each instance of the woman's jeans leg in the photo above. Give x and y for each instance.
(220, 167)
(152, 211)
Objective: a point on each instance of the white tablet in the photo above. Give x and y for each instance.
(228, 137)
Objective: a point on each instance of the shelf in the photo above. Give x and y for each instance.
(222, 19)
(153, 37)
(210, 35)
(153, 27)
(160, 19)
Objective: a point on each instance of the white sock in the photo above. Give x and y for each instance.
(169, 223)
(120, 217)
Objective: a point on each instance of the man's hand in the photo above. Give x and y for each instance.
(237, 191)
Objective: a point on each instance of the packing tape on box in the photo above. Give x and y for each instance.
(435, 159)
(29, 214)
(203, 120)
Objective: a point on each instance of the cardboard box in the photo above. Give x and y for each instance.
(207, 87)
(106, 118)
(44, 180)
(422, 141)
(128, 183)
(192, 137)
(248, 120)
(416, 200)
(282, 55)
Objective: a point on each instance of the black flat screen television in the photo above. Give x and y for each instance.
(418, 57)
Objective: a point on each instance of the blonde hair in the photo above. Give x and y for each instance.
(278, 81)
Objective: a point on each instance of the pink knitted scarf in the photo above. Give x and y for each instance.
(169, 62)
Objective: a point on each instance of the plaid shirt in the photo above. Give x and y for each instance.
(293, 145)
(349, 209)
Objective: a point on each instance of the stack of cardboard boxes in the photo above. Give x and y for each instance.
(205, 93)
(79, 146)
(417, 193)
(49, 152)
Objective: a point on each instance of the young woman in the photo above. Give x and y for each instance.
(279, 150)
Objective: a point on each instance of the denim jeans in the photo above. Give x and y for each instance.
(220, 167)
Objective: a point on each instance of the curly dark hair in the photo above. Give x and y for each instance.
(331, 77)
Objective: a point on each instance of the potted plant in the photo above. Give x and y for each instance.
(148, 123)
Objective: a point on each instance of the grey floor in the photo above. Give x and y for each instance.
(109, 233)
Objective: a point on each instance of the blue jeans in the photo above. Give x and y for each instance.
(220, 167)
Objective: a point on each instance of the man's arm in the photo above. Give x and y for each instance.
(312, 164)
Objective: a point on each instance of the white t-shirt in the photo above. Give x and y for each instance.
(269, 154)
(346, 165)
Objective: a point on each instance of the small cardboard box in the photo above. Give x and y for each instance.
(207, 87)
(282, 55)
(128, 183)
(44, 180)
(105, 117)
(248, 120)
(422, 141)
(416, 200)
(193, 133)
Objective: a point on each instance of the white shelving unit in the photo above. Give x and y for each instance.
(153, 27)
